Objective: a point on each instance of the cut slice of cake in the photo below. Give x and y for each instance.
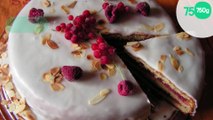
(177, 62)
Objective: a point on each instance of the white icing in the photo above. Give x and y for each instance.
(191, 79)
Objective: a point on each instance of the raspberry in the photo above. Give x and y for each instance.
(74, 39)
(104, 52)
(143, 8)
(58, 28)
(86, 13)
(97, 54)
(92, 20)
(104, 5)
(63, 25)
(100, 40)
(70, 17)
(102, 46)
(91, 35)
(79, 20)
(120, 5)
(125, 88)
(105, 60)
(69, 25)
(35, 15)
(68, 35)
(94, 46)
(111, 50)
(71, 72)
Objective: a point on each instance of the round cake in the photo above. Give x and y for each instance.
(62, 65)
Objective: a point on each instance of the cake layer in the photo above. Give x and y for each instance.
(177, 60)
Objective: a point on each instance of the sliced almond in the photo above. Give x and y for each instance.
(163, 58)
(189, 52)
(48, 77)
(137, 46)
(178, 50)
(160, 66)
(65, 9)
(93, 12)
(183, 36)
(159, 27)
(83, 46)
(19, 108)
(97, 99)
(174, 62)
(133, 1)
(105, 92)
(96, 65)
(5, 102)
(148, 27)
(100, 27)
(11, 93)
(12, 107)
(111, 72)
(27, 114)
(46, 3)
(110, 66)
(180, 69)
(72, 4)
(9, 86)
(57, 87)
(77, 53)
(55, 70)
(52, 44)
(131, 43)
(103, 76)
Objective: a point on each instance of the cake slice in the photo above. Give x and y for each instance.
(177, 62)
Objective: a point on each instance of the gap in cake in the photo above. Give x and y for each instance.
(145, 77)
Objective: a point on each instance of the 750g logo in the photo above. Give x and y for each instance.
(201, 10)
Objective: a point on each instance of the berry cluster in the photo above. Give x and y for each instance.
(125, 88)
(80, 28)
(143, 8)
(102, 51)
(35, 15)
(114, 12)
(71, 73)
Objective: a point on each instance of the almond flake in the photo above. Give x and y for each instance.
(189, 52)
(19, 108)
(5, 102)
(111, 72)
(27, 114)
(160, 66)
(148, 27)
(89, 57)
(180, 69)
(137, 46)
(52, 10)
(178, 50)
(110, 66)
(131, 43)
(72, 5)
(104, 31)
(12, 107)
(93, 12)
(133, 1)
(100, 97)
(55, 70)
(77, 53)
(46, 3)
(11, 93)
(100, 27)
(159, 27)
(57, 87)
(103, 76)
(59, 79)
(9, 86)
(96, 65)
(83, 46)
(183, 36)
(47, 77)
(52, 44)
(174, 62)
(105, 92)
(163, 58)
(65, 9)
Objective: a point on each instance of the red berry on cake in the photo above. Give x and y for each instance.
(58, 28)
(102, 46)
(68, 35)
(71, 72)
(105, 60)
(91, 35)
(86, 13)
(125, 88)
(70, 17)
(94, 46)
(35, 15)
(74, 39)
(100, 40)
(97, 53)
(104, 5)
(143, 8)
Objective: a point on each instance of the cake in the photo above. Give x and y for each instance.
(176, 66)
(60, 73)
